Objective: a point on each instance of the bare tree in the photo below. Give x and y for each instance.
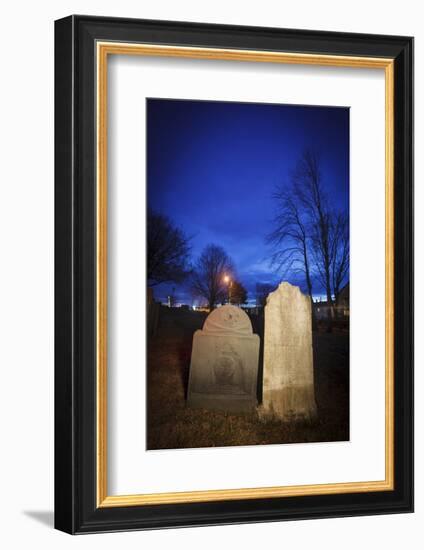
(340, 253)
(290, 236)
(237, 293)
(208, 275)
(309, 235)
(311, 196)
(168, 250)
(262, 291)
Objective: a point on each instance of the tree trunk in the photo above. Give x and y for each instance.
(309, 285)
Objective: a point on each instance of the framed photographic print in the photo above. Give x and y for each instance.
(233, 266)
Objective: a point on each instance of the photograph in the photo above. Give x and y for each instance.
(247, 275)
(218, 189)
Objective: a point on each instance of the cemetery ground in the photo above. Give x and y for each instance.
(172, 425)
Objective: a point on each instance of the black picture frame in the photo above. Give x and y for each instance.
(76, 509)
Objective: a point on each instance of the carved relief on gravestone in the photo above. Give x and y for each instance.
(224, 362)
(288, 374)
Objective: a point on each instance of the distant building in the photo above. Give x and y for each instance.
(201, 308)
(341, 310)
(343, 302)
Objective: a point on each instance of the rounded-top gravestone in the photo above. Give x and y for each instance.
(224, 362)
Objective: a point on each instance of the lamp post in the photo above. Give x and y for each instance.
(227, 280)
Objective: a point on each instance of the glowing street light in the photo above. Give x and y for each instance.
(227, 281)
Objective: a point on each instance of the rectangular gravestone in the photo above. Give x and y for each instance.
(288, 374)
(224, 363)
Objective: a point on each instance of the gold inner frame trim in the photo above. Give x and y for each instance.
(103, 50)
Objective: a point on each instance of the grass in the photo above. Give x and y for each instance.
(172, 425)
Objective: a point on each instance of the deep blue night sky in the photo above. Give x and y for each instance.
(212, 168)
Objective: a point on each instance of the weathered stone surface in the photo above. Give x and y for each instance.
(288, 374)
(224, 362)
